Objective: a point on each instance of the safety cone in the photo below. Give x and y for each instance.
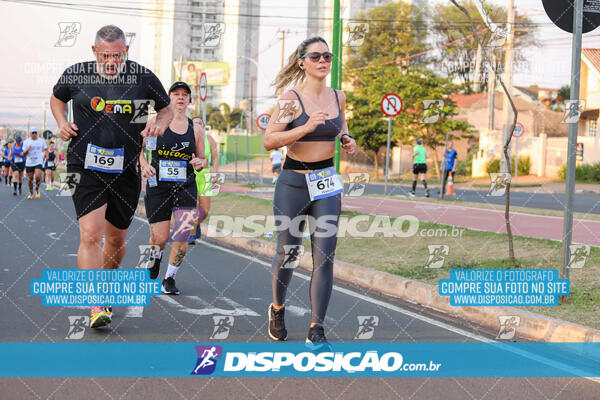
(450, 186)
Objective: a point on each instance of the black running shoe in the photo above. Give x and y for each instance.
(426, 192)
(155, 268)
(277, 329)
(316, 339)
(168, 286)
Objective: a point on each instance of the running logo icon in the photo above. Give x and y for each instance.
(68, 34)
(508, 326)
(366, 326)
(432, 110)
(578, 254)
(223, 325)
(216, 180)
(148, 253)
(68, 181)
(142, 111)
(213, 32)
(207, 359)
(293, 254)
(573, 109)
(77, 324)
(184, 222)
(437, 255)
(498, 184)
(357, 31)
(287, 111)
(357, 184)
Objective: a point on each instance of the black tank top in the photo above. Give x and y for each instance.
(323, 133)
(51, 156)
(174, 146)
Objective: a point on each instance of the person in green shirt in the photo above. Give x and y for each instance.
(419, 167)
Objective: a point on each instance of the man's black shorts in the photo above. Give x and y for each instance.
(6, 164)
(419, 169)
(160, 201)
(120, 192)
(276, 168)
(18, 166)
(33, 168)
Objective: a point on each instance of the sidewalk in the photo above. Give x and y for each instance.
(535, 226)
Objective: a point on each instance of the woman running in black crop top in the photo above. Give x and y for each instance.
(307, 120)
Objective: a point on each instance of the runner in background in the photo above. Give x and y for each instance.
(419, 167)
(18, 165)
(204, 180)
(450, 156)
(34, 149)
(50, 166)
(276, 158)
(172, 185)
(111, 98)
(6, 171)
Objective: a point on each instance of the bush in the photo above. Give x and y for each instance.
(583, 173)
(493, 166)
(465, 167)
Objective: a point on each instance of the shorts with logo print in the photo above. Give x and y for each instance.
(120, 192)
(160, 201)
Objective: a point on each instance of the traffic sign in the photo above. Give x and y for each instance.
(561, 13)
(519, 130)
(391, 104)
(47, 134)
(263, 120)
(203, 86)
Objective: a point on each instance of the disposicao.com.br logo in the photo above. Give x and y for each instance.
(297, 362)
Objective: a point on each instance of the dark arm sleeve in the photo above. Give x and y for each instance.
(62, 89)
(156, 91)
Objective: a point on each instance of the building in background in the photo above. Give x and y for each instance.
(182, 38)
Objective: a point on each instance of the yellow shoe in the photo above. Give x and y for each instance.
(37, 194)
(99, 317)
(29, 196)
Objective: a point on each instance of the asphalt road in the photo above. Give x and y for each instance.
(41, 234)
(584, 202)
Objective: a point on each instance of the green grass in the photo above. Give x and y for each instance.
(408, 256)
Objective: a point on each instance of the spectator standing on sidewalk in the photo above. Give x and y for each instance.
(276, 158)
(450, 156)
(419, 167)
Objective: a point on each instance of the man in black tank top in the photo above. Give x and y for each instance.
(171, 187)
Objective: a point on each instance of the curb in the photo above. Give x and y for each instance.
(532, 326)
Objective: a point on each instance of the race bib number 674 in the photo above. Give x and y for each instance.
(323, 183)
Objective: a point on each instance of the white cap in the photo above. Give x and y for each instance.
(33, 129)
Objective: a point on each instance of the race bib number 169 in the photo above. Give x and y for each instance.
(104, 160)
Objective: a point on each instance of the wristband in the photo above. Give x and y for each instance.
(345, 134)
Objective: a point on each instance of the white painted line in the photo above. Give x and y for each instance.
(134, 312)
(208, 309)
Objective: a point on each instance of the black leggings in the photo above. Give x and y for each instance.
(292, 200)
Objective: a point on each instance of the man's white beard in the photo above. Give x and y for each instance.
(102, 73)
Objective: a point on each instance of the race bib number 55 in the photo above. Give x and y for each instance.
(104, 160)
(323, 183)
(172, 170)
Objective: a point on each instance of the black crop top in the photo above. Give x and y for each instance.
(323, 133)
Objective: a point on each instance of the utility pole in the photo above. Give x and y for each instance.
(252, 80)
(508, 67)
(476, 81)
(491, 92)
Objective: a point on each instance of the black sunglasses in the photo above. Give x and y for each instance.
(315, 56)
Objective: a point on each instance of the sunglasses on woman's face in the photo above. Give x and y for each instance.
(315, 56)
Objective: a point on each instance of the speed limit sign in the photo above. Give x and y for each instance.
(391, 104)
(263, 120)
(519, 130)
(203, 86)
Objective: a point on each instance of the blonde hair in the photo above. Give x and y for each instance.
(292, 73)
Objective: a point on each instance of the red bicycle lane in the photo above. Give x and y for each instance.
(531, 225)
